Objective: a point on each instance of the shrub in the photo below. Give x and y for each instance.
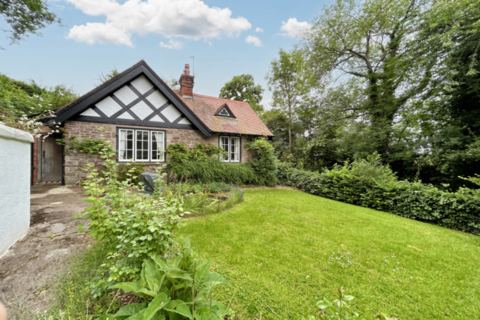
(122, 217)
(130, 170)
(178, 152)
(178, 288)
(213, 171)
(263, 163)
(460, 210)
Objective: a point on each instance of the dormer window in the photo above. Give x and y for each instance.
(224, 111)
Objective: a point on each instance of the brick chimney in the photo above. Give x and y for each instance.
(186, 83)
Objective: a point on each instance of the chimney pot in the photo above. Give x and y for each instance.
(187, 69)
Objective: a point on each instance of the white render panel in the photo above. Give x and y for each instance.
(126, 115)
(125, 94)
(184, 121)
(90, 112)
(142, 110)
(15, 171)
(108, 106)
(142, 84)
(171, 113)
(157, 119)
(157, 99)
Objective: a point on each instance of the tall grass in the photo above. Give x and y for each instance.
(78, 294)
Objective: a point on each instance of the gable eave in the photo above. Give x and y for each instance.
(117, 82)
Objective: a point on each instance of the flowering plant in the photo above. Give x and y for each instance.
(33, 124)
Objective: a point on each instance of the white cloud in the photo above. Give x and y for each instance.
(294, 28)
(258, 29)
(92, 33)
(172, 44)
(190, 19)
(254, 40)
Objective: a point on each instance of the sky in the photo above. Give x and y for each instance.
(225, 37)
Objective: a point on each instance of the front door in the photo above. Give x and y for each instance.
(52, 164)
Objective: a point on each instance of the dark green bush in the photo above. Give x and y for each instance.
(263, 163)
(213, 170)
(417, 201)
(178, 152)
(201, 163)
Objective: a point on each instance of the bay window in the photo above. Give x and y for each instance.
(232, 146)
(141, 145)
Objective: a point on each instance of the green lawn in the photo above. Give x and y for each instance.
(282, 250)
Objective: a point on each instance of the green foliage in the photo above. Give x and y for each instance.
(370, 169)
(124, 218)
(367, 184)
(89, 145)
(26, 16)
(105, 77)
(197, 197)
(178, 152)
(216, 187)
(213, 171)
(61, 141)
(288, 79)
(19, 97)
(201, 164)
(264, 163)
(131, 170)
(174, 289)
(77, 293)
(338, 309)
(243, 88)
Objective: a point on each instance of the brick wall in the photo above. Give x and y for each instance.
(75, 160)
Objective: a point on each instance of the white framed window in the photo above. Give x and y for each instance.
(232, 146)
(141, 145)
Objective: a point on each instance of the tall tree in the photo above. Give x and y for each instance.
(243, 88)
(375, 41)
(288, 80)
(25, 17)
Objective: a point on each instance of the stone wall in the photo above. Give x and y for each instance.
(74, 161)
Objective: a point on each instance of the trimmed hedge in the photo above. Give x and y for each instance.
(417, 201)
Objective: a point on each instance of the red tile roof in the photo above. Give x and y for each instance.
(246, 120)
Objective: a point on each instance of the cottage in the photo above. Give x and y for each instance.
(140, 116)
